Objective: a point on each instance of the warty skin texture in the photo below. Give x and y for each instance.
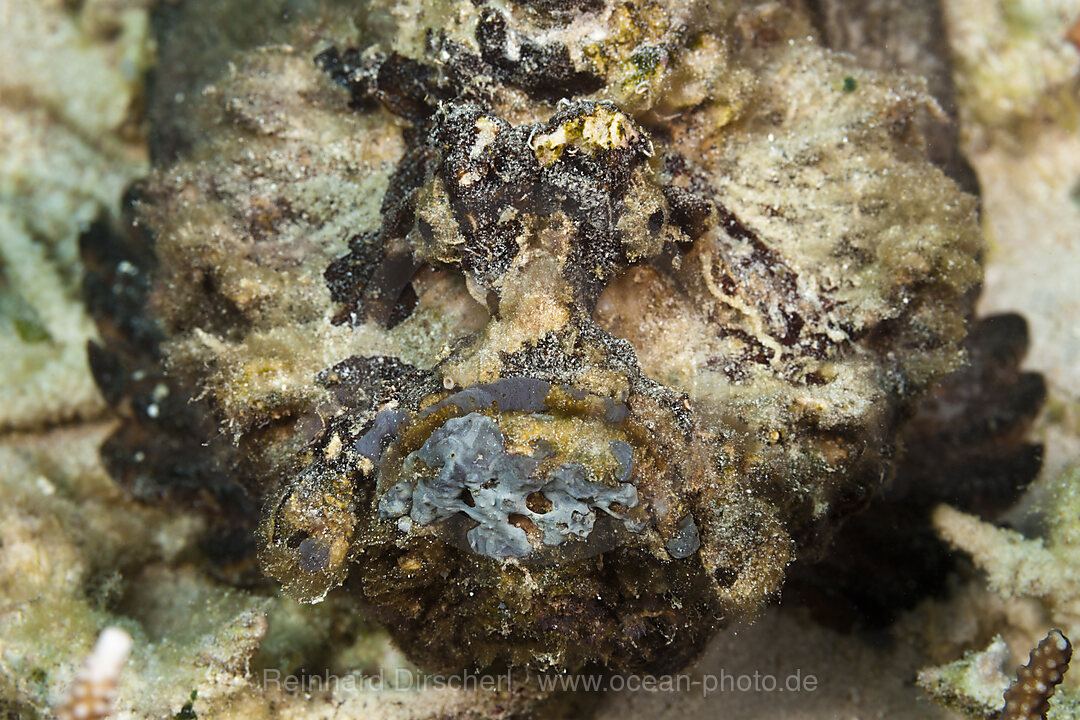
(743, 274)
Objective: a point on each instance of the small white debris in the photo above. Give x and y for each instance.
(93, 691)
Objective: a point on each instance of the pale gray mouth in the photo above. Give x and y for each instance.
(466, 467)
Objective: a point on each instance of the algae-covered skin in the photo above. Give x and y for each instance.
(553, 332)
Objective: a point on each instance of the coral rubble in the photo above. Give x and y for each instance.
(1042, 570)
(70, 98)
(1046, 569)
(973, 684)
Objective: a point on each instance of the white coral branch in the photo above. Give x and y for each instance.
(93, 691)
(1015, 566)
